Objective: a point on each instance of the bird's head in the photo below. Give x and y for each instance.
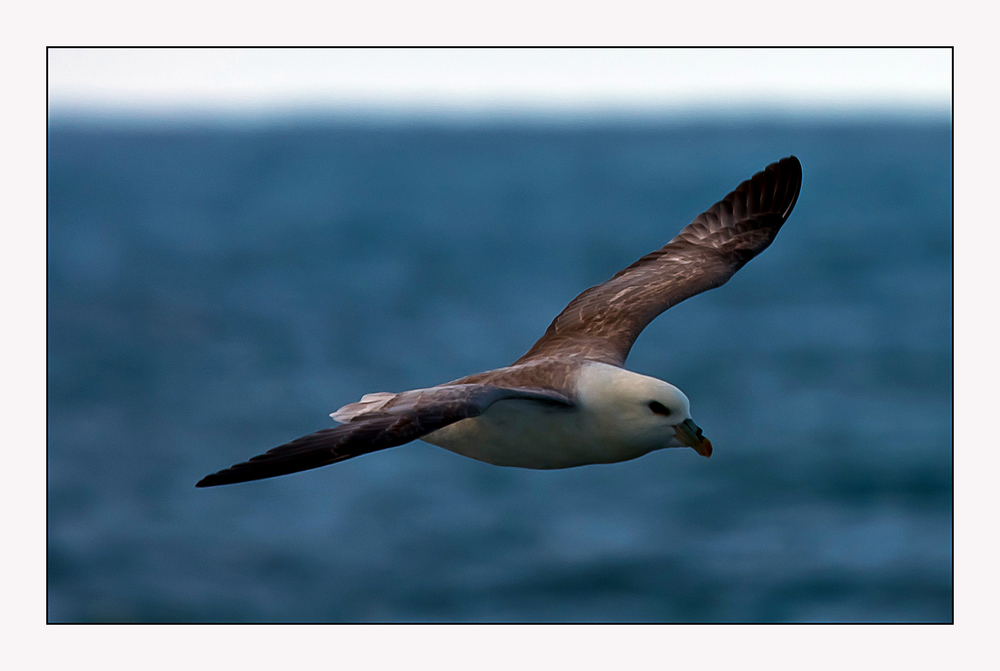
(649, 411)
(667, 410)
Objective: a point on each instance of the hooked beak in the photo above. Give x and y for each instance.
(689, 434)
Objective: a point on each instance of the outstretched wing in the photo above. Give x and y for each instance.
(603, 322)
(418, 413)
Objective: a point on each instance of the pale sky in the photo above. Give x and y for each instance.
(261, 82)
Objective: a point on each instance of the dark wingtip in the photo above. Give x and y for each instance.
(793, 166)
(235, 475)
(790, 172)
(249, 471)
(214, 480)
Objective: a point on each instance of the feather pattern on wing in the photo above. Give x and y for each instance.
(409, 416)
(603, 322)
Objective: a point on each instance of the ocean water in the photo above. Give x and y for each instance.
(214, 292)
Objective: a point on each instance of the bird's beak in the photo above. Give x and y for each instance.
(689, 434)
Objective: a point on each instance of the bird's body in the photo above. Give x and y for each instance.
(568, 401)
(599, 428)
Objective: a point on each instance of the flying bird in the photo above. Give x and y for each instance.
(568, 401)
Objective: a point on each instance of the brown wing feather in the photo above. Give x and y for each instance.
(427, 410)
(603, 322)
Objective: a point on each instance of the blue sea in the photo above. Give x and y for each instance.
(215, 291)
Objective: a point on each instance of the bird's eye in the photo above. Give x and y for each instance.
(659, 408)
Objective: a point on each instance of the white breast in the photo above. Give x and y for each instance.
(527, 434)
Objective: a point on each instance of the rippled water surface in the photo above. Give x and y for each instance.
(215, 292)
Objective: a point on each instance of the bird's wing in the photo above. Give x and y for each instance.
(603, 322)
(414, 414)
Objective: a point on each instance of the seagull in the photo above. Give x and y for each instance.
(568, 401)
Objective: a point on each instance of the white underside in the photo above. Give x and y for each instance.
(610, 423)
(529, 435)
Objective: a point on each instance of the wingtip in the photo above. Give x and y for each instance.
(791, 166)
(788, 175)
(796, 165)
(795, 181)
(227, 476)
(233, 476)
